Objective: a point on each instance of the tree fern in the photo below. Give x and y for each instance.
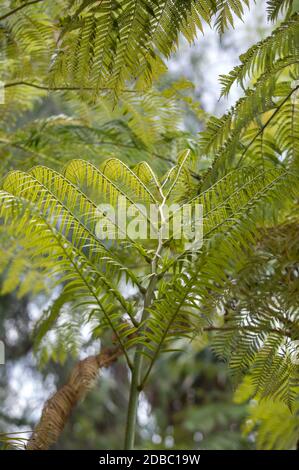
(239, 287)
(100, 45)
(191, 293)
(58, 220)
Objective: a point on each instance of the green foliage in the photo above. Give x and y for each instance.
(272, 422)
(280, 46)
(265, 121)
(142, 125)
(12, 441)
(276, 7)
(239, 290)
(261, 317)
(277, 428)
(56, 222)
(99, 45)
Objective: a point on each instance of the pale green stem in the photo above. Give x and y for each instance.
(136, 376)
(138, 358)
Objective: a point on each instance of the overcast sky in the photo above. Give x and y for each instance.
(211, 56)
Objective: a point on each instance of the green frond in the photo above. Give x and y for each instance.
(276, 7)
(18, 100)
(281, 44)
(144, 172)
(14, 441)
(73, 216)
(229, 196)
(177, 181)
(28, 187)
(238, 289)
(137, 129)
(101, 46)
(260, 331)
(276, 427)
(103, 189)
(254, 118)
(269, 105)
(226, 10)
(121, 175)
(84, 285)
(182, 308)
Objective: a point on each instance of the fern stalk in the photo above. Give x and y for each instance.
(135, 388)
(136, 380)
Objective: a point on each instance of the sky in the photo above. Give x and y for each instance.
(211, 56)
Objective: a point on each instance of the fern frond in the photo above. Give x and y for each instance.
(179, 309)
(102, 45)
(226, 10)
(276, 7)
(146, 174)
(84, 285)
(103, 189)
(121, 175)
(260, 109)
(260, 332)
(281, 44)
(276, 427)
